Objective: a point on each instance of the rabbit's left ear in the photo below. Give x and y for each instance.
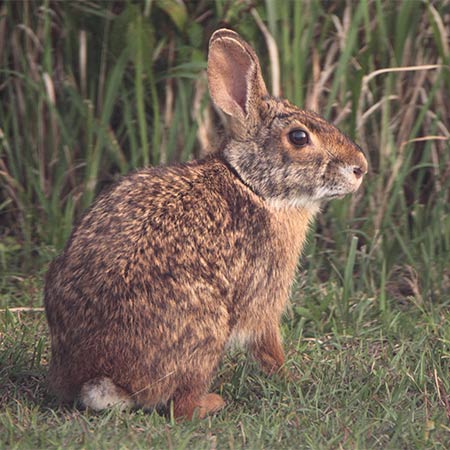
(234, 75)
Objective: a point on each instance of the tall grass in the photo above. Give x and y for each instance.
(91, 90)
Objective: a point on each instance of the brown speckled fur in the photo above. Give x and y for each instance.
(172, 264)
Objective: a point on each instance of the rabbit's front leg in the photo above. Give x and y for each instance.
(268, 350)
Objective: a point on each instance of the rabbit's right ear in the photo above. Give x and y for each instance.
(234, 75)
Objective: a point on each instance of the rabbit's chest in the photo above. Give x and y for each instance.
(263, 285)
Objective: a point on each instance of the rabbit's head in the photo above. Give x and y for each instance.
(289, 156)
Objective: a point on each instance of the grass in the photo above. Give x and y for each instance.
(383, 383)
(91, 90)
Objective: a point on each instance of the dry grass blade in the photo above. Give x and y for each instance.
(321, 77)
(20, 309)
(273, 53)
(409, 112)
(375, 73)
(83, 62)
(374, 108)
(443, 30)
(169, 103)
(203, 117)
(361, 114)
(426, 138)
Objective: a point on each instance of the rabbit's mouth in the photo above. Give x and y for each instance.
(333, 196)
(336, 195)
(334, 190)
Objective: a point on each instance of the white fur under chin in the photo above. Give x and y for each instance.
(309, 204)
(102, 393)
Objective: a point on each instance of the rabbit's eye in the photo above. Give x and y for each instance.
(298, 137)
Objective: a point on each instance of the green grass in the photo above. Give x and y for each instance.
(92, 90)
(383, 383)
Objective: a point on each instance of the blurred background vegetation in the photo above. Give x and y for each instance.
(93, 89)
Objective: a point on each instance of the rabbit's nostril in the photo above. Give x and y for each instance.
(358, 171)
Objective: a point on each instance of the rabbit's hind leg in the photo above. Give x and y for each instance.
(101, 393)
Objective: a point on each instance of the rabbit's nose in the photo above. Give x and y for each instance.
(360, 166)
(358, 171)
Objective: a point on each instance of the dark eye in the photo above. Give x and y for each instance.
(298, 137)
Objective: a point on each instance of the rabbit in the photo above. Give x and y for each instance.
(172, 265)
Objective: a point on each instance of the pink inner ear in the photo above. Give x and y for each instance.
(239, 66)
(229, 67)
(240, 94)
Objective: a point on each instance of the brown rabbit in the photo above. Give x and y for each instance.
(173, 264)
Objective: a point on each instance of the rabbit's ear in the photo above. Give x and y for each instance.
(234, 76)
